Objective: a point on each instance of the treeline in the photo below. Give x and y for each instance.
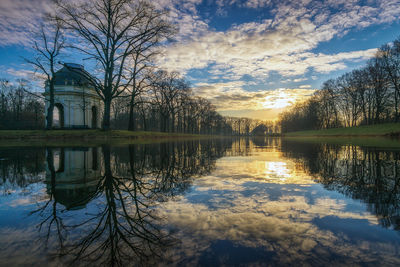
(18, 108)
(167, 104)
(365, 96)
(247, 126)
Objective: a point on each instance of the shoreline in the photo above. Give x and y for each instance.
(388, 130)
(89, 137)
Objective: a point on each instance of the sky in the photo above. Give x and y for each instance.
(249, 58)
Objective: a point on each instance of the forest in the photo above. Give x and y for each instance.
(20, 109)
(365, 96)
(167, 105)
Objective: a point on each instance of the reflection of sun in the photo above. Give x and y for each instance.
(279, 100)
(277, 169)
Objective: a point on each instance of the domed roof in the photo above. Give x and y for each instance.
(73, 196)
(72, 74)
(73, 199)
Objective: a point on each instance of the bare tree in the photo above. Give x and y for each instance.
(167, 88)
(4, 87)
(379, 87)
(142, 57)
(110, 31)
(48, 45)
(391, 63)
(369, 95)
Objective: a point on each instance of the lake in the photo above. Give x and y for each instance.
(209, 202)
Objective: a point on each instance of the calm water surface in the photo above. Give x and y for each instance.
(209, 203)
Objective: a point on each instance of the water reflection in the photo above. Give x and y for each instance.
(266, 207)
(20, 167)
(72, 176)
(122, 189)
(211, 202)
(368, 174)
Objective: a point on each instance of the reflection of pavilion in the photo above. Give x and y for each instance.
(75, 177)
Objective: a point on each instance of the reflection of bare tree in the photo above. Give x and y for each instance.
(124, 229)
(369, 174)
(49, 211)
(121, 225)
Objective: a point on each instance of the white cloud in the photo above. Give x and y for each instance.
(283, 44)
(299, 80)
(257, 3)
(19, 18)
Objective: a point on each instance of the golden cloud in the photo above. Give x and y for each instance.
(232, 100)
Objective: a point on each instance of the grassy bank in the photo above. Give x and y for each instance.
(84, 137)
(387, 129)
(364, 141)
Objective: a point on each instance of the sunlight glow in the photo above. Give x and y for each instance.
(271, 167)
(277, 169)
(281, 100)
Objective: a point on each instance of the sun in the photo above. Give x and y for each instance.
(280, 99)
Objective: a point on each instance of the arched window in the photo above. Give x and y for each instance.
(94, 159)
(58, 115)
(94, 117)
(59, 160)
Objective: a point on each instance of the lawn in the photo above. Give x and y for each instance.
(82, 137)
(387, 129)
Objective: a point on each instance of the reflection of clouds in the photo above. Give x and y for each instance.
(17, 196)
(21, 202)
(277, 169)
(252, 210)
(284, 227)
(267, 166)
(24, 247)
(18, 248)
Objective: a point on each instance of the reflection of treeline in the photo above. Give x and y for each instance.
(365, 96)
(247, 146)
(368, 174)
(19, 109)
(171, 166)
(20, 167)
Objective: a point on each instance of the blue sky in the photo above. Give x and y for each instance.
(250, 58)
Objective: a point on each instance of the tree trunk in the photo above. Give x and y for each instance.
(107, 114)
(131, 122)
(396, 101)
(50, 110)
(144, 120)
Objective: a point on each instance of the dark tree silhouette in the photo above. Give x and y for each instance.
(111, 32)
